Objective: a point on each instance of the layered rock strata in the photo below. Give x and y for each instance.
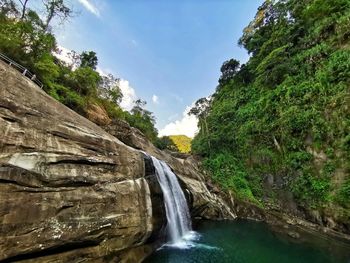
(72, 192)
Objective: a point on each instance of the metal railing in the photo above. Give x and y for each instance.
(25, 72)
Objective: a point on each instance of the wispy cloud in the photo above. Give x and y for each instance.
(90, 7)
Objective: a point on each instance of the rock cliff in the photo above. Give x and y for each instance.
(203, 200)
(70, 191)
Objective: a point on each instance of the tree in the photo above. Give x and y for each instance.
(56, 8)
(24, 7)
(228, 70)
(88, 59)
(200, 108)
(143, 119)
(139, 106)
(182, 142)
(46, 69)
(201, 111)
(166, 142)
(8, 8)
(86, 80)
(139, 110)
(109, 88)
(74, 59)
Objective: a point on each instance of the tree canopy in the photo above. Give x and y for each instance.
(88, 59)
(276, 115)
(27, 39)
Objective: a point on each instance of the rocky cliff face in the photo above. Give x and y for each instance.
(202, 195)
(69, 190)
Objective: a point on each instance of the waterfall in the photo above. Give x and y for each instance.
(178, 216)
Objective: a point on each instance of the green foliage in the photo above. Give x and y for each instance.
(47, 70)
(296, 160)
(85, 80)
(343, 194)
(182, 142)
(68, 97)
(311, 189)
(143, 120)
(286, 111)
(165, 142)
(113, 110)
(26, 38)
(109, 89)
(228, 172)
(88, 59)
(228, 70)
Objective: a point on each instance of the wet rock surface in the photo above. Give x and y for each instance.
(203, 200)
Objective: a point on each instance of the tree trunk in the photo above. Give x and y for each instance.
(24, 7)
(48, 20)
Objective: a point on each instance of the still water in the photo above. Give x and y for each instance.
(244, 241)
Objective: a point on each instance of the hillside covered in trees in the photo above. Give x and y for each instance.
(276, 131)
(182, 142)
(28, 39)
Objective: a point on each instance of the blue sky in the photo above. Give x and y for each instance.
(167, 50)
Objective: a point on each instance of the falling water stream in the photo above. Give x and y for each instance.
(179, 224)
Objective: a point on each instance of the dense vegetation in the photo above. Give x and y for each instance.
(166, 143)
(175, 143)
(280, 122)
(182, 142)
(27, 38)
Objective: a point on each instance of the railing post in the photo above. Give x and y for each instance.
(19, 68)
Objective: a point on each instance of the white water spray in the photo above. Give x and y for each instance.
(179, 225)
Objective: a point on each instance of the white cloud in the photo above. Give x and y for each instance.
(155, 99)
(90, 7)
(63, 54)
(68, 56)
(185, 126)
(129, 95)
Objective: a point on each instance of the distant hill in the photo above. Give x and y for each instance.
(182, 142)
